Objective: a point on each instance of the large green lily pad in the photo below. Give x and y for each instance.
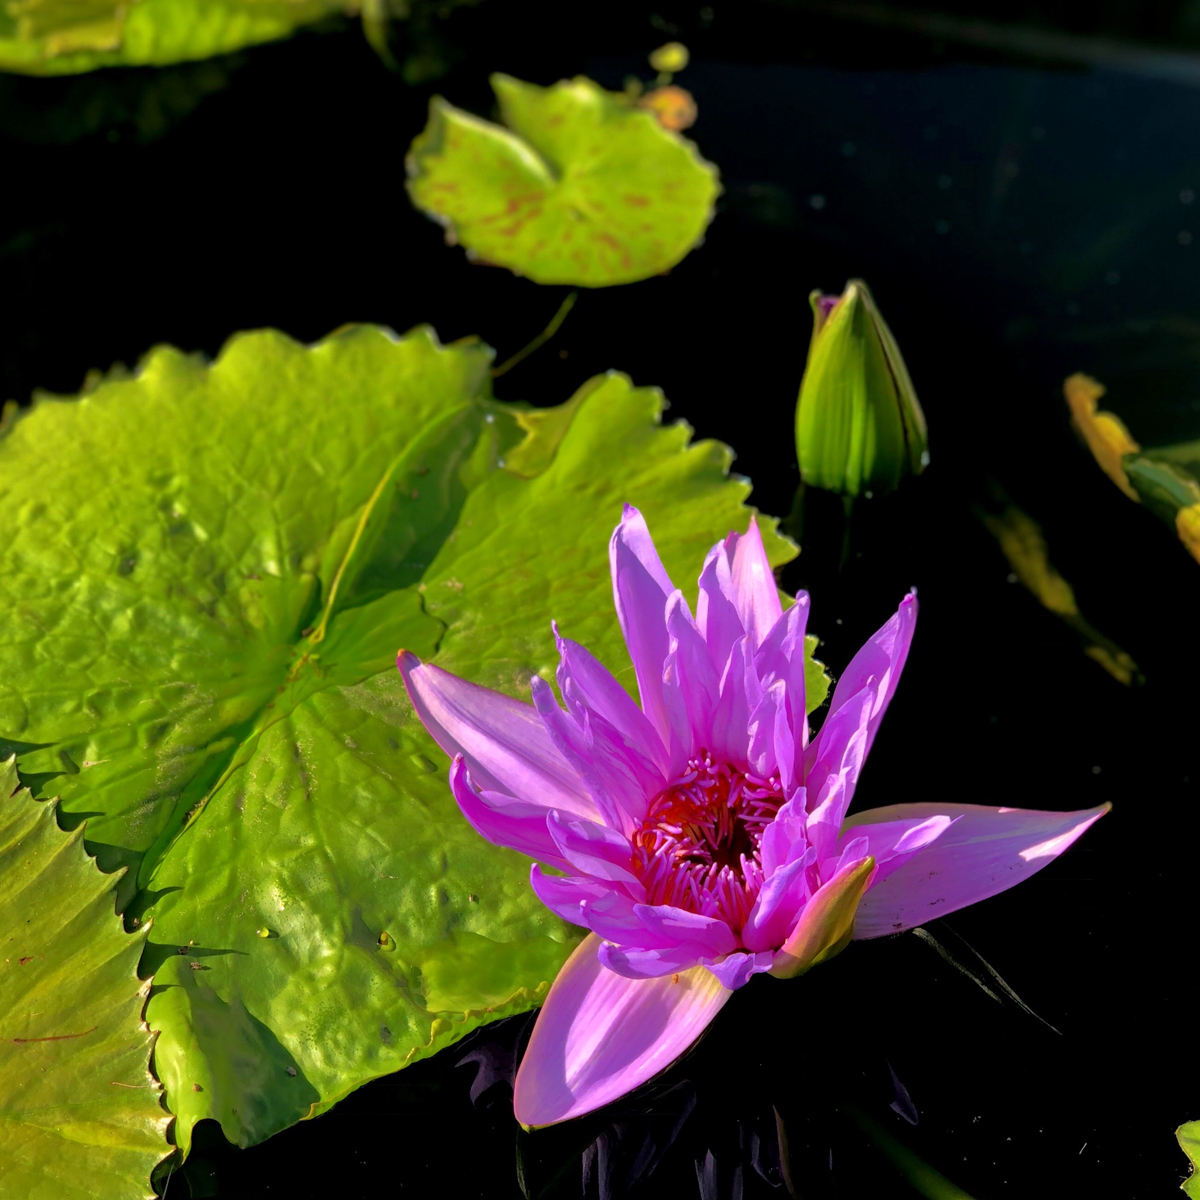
(77, 1101)
(65, 37)
(210, 571)
(583, 187)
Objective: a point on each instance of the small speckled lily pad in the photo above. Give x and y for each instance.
(583, 187)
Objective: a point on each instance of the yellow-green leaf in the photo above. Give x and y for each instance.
(582, 187)
(79, 1110)
(65, 37)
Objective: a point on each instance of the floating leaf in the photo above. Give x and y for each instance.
(209, 574)
(1104, 432)
(583, 187)
(65, 37)
(1166, 478)
(1022, 542)
(1188, 1137)
(77, 1101)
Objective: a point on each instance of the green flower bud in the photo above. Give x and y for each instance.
(859, 426)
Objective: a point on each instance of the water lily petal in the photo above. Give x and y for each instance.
(504, 820)
(985, 851)
(598, 756)
(768, 733)
(600, 1035)
(593, 849)
(881, 658)
(716, 613)
(786, 837)
(736, 970)
(827, 922)
(595, 904)
(740, 694)
(754, 589)
(891, 843)
(649, 962)
(671, 926)
(781, 657)
(640, 591)
(777, 908)
(834, 762)
(585, 682)
(691, 685)
(504, 742)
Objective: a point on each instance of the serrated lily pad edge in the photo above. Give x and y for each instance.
(14, 790)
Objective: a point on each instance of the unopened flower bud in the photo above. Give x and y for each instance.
(859, 425)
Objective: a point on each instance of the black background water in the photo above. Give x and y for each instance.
(1018, 218)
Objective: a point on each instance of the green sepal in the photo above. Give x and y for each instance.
(827, 923)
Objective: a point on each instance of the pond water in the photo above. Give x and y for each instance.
(1018, 220)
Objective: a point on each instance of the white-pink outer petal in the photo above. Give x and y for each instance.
(985, 851)
(600, 1035)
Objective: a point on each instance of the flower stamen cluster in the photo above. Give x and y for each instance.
(698, 847)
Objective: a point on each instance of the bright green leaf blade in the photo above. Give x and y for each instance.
(65, 37)
(1188, 1136)
(78, 1104)
(162, 572)
(219, 564)
(582, 188)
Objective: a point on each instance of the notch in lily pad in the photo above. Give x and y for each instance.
(579, 186)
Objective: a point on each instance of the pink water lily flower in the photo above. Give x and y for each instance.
(703, 838)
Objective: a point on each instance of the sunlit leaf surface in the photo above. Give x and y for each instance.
(210, 572)
(1188, 1137)
(64, 37)
(582, 187)
(79, 1109)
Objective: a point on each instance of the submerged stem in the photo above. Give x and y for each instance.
(909, 1165)
(541, 339)
(847, 512)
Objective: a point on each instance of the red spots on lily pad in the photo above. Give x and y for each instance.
(621, 197)
(608, 240)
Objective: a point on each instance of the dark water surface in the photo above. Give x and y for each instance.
(1017, 221)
